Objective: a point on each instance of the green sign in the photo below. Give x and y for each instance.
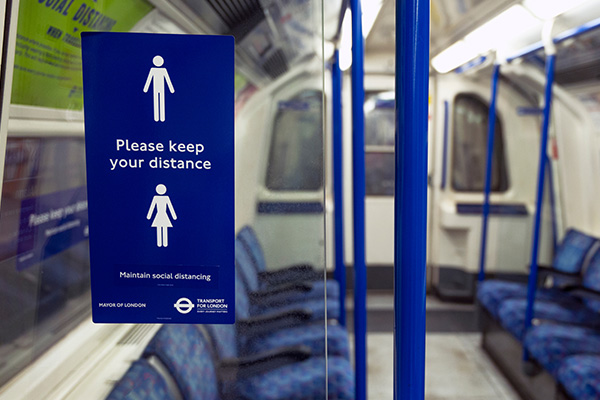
(47, 69)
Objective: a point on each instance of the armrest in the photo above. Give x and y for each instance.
(287, 289)
(583, 292)
(545, 271)
(300, 272)
(267, 323)
(232, 369)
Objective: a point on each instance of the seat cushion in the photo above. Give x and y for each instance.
(549, 344)
(312, 335)
(303, 381)
(492, 293)
(512, 314)
(140, 382)
(580, 376)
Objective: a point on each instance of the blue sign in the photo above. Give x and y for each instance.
(159, 113)
(50, 224)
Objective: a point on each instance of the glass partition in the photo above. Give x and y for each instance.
(284, 319)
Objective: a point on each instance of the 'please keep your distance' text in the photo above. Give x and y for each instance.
(181, 155)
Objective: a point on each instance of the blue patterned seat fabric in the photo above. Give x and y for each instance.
(549, 344)
(574, 311)
(569, 258)
(303, 381)
(310, 334)
(512, 314)
(140, 382)
(580, 376)
(188, 358)
(248, 237)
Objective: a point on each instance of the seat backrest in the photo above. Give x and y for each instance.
(249, 239)
(245, 266)
(572, 252)
(242, 300)
(188, 357)
(224, 340)
(141, 382)
(591, 280)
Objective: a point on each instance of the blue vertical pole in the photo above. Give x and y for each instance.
(410, 202)
(358, 166)
(533, 272)
(488, 171)
(338, 176)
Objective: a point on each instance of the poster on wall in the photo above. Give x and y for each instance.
(159, 121)
(47, 71)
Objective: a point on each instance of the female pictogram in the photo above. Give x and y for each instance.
(158, 76)
(161, 222)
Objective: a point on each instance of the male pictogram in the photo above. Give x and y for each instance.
(158, 76)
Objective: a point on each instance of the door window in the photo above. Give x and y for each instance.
(470, 147)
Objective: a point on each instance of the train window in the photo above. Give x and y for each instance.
(379, 144)
(470, 147)
(296, 156)
(44, 268)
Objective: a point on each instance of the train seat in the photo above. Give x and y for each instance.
(512, 314)
(284, 293)
(581, 309)
(269, 278)
(286, 373)
(313, 335)
(318, 308)
(580, 376)
(188, 359)
(270, 330)
(566, 266)
(141, 382)
(550, 344)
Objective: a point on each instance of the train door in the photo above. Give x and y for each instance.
(290, 204)
(460, 142)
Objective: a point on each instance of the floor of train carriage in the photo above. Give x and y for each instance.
(455, 365)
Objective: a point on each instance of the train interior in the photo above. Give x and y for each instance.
(512, 270)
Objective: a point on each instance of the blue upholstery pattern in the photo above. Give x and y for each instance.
(189, 360)
(224, 339)
(512, 314)
(492, 293)
(571, 253)
(250, 277)
(249, 239)
(303, 381)
(591, 280)
(312, 335)
(549, 344)
(580, 376)
(242, 302)
(140, 382)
